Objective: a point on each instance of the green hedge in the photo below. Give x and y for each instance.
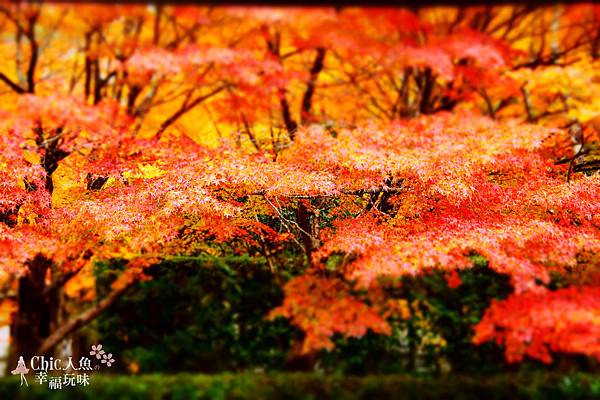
(206, 315)
(315, 386)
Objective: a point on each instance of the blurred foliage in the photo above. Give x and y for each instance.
(311, 386)
(437, 335)
(199, 314)
(207, 314)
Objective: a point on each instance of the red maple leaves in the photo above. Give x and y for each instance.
(322, 307)
(367, 150)
(537, 324)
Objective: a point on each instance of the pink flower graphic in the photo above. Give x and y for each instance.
(97, 351)
(108, 359)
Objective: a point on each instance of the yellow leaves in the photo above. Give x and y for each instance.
(83, 285)
(257, 205)
(575, 86)
(7, 308)
(151, 171)
(67, 184)
(31, 157)
(430, 339)
(399, 308)
(26, 215)
(144, 171)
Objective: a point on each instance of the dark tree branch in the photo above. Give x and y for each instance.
(317, 67)
(14, 86)
(82, 319)
(290, 124)
(359, 192)
(186, 107)
(34, 50)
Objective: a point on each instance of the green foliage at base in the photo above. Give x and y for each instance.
(199, 314)
(208, 314)
(314, 386)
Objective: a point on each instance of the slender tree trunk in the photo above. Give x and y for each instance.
(308, 221)
(290, 125)
(426, 91)
(318, 64)
(34, 53)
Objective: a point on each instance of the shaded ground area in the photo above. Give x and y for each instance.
(310, 386)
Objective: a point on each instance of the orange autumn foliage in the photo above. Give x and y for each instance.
(369, 143)
(322, 307)
(537, 324)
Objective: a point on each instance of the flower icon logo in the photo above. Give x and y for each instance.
(97, 351)
(108, 359)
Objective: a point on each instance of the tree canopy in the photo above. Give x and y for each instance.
(352, 147)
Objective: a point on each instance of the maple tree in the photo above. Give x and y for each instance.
(366, 145)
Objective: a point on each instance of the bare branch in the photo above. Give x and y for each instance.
(82, 319)
(14, 86)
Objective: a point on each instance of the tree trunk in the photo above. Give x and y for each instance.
(303, 216)
(38, 312)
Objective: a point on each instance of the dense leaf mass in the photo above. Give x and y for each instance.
(536, 324)
(352, 148)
